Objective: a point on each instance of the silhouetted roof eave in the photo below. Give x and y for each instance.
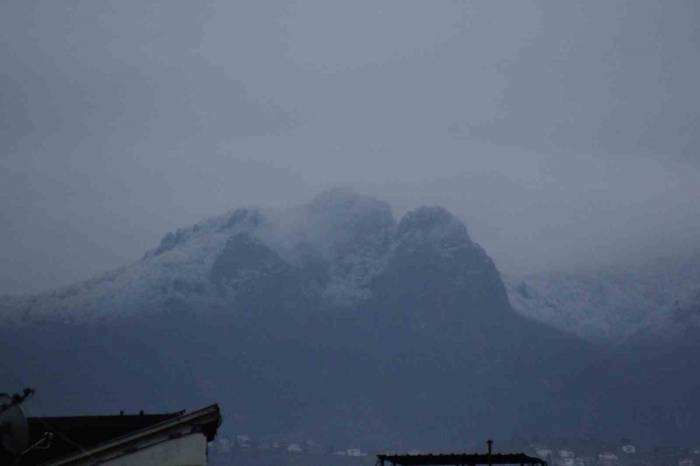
(132, 433)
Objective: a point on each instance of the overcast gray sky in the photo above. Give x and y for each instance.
(565, 134)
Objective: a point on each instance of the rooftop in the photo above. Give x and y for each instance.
(72, 437)
(460, 459)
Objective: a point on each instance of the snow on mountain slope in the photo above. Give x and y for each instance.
(172, 267)
(328, 253)
(343, 236)
(613, 304)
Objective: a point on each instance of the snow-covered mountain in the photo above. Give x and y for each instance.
(344, 237)
(328, 254)
(331, 320)
(337, 244)
(334, 320)
(660, 299)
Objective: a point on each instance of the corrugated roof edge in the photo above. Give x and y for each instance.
(206, 420)
(465, 459)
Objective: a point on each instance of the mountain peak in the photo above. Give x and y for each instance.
(433, 223)
(345, 206)
(341, 218)
(338, 197)
(332, 250)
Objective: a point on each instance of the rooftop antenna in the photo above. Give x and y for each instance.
(489, 445)
(14, 429)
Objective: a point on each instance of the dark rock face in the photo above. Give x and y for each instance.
(246, 262)
(438, 278)
(169, 241)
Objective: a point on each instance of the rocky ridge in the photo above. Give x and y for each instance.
(330, 251)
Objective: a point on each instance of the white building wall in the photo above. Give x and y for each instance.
(190, 450)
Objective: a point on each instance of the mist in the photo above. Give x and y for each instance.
(564, 135)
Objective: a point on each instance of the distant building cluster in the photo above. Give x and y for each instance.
(243, 445)
(245, 450)
(625, 454)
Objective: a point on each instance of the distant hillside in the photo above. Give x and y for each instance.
(615, 305)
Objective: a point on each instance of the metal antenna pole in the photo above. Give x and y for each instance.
(489, 444)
